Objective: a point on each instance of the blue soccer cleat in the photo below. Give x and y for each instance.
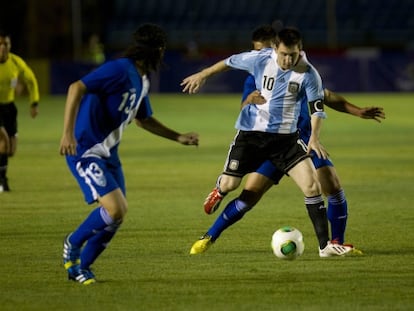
(71, 258)
(83, 276)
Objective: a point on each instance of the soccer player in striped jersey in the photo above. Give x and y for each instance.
(98, 108)
(260, 181)
(269, 131)
(13, 69)
(267, 175)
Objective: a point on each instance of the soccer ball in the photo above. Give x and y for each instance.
(287, 243)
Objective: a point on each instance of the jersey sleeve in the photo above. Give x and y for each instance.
(243, 61)
(313, 85)
(29, 79)
(105, 78)
(314, 92)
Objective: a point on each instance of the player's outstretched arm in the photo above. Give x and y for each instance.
(193, 83)
(155, 127)
(375, 113)
(339, 103)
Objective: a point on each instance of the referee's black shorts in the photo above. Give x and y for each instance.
(8, 118)
(250, 149)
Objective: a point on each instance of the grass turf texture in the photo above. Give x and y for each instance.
(148, 266)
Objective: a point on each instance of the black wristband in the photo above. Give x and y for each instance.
(34, 105)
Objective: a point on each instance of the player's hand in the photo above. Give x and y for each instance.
(189, 139)
(375, 113)
(68, 145)
(193, 83)
(254, 98)
(318, 148)
(34, 110)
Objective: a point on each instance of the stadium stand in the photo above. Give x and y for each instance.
(218, 22)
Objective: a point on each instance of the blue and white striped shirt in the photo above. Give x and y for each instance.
(284, 91)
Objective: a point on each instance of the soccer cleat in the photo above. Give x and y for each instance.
(333, 248)
(83, 276)
(356, 252)
(201, 245)
(73, 271)
(71, 258)
(213, 200)
(4, 185)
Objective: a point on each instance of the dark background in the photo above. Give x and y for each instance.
(357, 45)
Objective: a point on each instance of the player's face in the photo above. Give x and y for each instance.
(4, 48)
(258, 45)
(287, 56)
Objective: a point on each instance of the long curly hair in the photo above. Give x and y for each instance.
(149, 46)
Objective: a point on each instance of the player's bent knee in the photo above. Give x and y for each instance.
(117, 214)
(115, 203)
(312, 190)
(229, 183)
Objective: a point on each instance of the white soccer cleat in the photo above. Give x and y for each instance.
(335, 249)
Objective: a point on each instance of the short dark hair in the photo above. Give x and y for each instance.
(264, 33)
(289, 36)
(149, 44)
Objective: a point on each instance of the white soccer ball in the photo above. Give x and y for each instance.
(287, 243)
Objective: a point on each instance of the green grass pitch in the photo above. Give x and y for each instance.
(148, 267)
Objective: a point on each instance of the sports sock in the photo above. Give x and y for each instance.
(218, 186)
(317, 214)
(221, 192)
(97, 244)
(338, 215)
(233, 212)
(3, 165)
(97, 220)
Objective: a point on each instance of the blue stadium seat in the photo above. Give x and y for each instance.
(358, 22)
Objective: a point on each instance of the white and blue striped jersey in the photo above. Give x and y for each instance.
(116, 94)
(284, 91)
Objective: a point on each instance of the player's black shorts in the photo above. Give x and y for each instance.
(8, 118)
(250, 149)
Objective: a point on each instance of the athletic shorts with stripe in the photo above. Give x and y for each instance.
(250, 149)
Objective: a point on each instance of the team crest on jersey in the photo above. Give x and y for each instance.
(234, 165)
(293, 87)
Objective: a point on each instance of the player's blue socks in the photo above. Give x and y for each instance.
(97, 244)
(338, 215)
(233, 212)
(97, 220)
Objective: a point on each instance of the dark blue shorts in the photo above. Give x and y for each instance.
(270, 171)
(96, 177)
